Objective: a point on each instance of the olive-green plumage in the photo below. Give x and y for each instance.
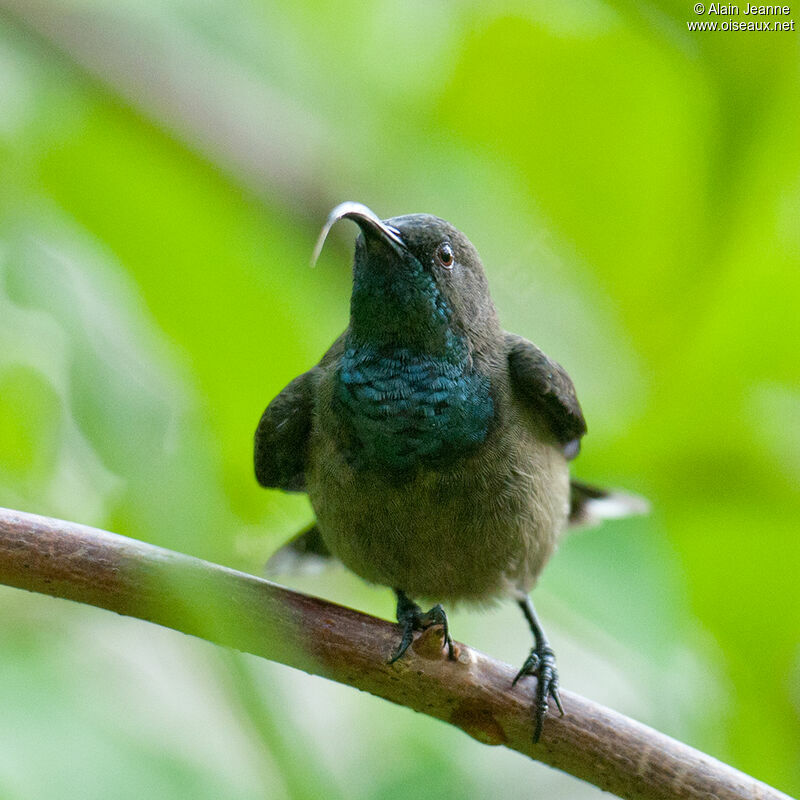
(434, 446)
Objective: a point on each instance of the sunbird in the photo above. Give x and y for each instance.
(434, 446)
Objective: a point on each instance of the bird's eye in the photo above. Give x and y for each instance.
(444, 255)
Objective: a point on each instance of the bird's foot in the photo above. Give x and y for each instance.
(541, 663)
(411, 618)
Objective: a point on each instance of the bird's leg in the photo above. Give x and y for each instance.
(411, 618)
(542, 664)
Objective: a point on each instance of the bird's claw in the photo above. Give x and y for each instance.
(541, 663)
(411, 618)
(407, 626)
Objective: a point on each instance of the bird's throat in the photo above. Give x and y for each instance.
(395, 309)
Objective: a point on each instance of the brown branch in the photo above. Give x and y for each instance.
(241, 611)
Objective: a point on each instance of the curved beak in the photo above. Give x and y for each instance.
(367, 220)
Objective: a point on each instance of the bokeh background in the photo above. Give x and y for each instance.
(634, 190)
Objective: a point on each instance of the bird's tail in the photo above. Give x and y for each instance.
(305, 553)
(590, 505)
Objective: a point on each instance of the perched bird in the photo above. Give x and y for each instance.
(434, 446)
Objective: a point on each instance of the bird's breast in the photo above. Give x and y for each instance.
(399, 410)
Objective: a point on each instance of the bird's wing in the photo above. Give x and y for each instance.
(281, 441)
(546, 387)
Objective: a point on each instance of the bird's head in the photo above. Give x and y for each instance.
(417, 282)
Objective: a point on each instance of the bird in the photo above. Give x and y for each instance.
(434, 446)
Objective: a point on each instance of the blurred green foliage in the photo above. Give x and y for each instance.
(634, 190)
